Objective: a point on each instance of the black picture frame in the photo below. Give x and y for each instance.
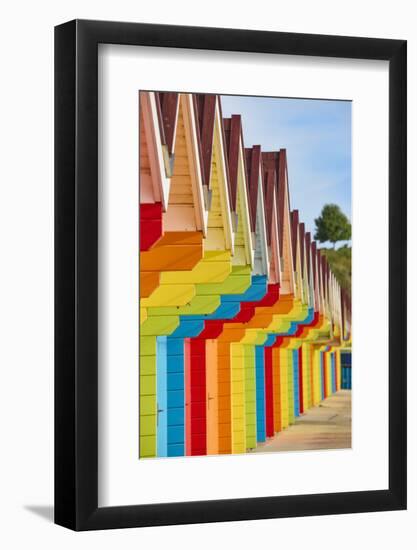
(76, 271)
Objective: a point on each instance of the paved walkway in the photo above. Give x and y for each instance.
(326, 426)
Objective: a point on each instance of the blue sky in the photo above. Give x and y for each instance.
(317, 136)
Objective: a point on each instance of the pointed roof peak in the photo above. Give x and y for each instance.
(205, 110)
(233, 138)
(253, 164)
(308, 253)
(295, 216)
(302, 242)
(269, 168)
(167, 104)
(294, 235)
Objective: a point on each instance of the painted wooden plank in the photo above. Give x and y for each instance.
(255, 292)
(317, 377)
(147, 397)
(260, 394)
(296, 378)
(188, 328)
(330, 374)
(161, 396)
(250, 394)
(148, 282)
(171, 257)
(199, 305)
(237, 390)
(170, 295)
(301, 379)
(283, 360)
(237, 283)
(187, 383)
(203, 272)
(290, 382)
(269, 396)
(327, 355)
(224, 396)
(339, 370)
(212, 399)
(150, 225)
(159, 326)
(276, 389)
(307, 375)
(175, 397)
(196, 430)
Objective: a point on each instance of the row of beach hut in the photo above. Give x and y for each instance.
(242, 322)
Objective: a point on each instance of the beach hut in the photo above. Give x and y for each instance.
(177, 187)
(242, 320)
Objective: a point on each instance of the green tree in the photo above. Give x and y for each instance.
(332, 225)
(340, 262)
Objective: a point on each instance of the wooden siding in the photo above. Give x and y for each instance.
(241, 323)
(181, 211)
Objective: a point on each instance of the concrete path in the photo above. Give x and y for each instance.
(326, 426)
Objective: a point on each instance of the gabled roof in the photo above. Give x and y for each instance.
(294, 236)
(186, 208)
(314, 258)
(236, 162)
(205, 108)
(316, 275)
(194, 165)
(253, 157)
(282, 188)
(270, 172)
(308, 255)
(219, 221)
(233, 139)
(270, 188)
(167, 108)
(320, 277)
(346, 312)
(257, 206)
(325, 272)
(276, 162)
(274, 167)
(302, 230)
(155, 160)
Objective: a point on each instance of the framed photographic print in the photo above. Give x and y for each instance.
(230, 247)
